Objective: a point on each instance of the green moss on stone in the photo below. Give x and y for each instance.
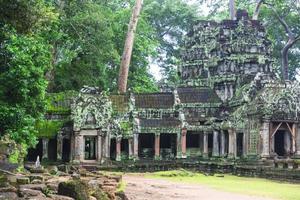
(59, 103)
(48, 128)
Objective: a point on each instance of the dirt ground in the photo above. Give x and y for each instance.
(139, 187)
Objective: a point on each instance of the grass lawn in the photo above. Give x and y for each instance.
(229, 183)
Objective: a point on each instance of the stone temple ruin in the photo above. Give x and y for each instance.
(229, 107)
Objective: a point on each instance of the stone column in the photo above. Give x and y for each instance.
(118, 148)
(232, 143)
(222, 143)
(59, 147)
(178, 154)
(130, 148)
(45, 148)
(136, 146)
(205, 145)
(287, 143)
(107, 146)
(215, 152)
(297, 140)
(79, 148)
(183, 142)
(265, 135)
(157, 146)
(99, 148)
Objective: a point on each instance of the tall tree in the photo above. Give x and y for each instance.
(126, 57)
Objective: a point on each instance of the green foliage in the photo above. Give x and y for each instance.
(48, 128)
(59, 103)
(126, 127)
(95, 33)
(25, 58)
(170, 19)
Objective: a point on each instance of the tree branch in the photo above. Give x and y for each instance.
(282, 21)
(257, 9)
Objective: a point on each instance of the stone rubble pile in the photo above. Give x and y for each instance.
(73, 184)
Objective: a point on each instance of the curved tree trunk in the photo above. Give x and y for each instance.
(285, 57)
(257, 9)
(126, 57)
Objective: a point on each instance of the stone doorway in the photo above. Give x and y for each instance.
(210, 141)
(33, 153)
(113, 152)
(124, 148)
(66, 150)
(240, 144)
(282, 139)
(194, 142)
(168, 147)
(146, 145)
(282, 143)
(90, 148)
(52, 149)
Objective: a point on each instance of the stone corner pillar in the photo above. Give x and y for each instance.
(118, 148)
(79, 147)
(265, 137)
(130, 148)
(183, 142)
(205, 145)
(99, 148)
(215, 152)
(45, 148)
(157, 146)
(232, 143)
(136, 146)
(222, 144)
(59, 149)
(297, 127)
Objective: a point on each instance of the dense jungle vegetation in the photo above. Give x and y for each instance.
(60, 45)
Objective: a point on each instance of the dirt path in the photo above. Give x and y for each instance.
(141, 188)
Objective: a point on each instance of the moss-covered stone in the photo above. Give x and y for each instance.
(76, 189)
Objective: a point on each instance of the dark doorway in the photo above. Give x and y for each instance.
(113, 152)
(66, 148)
(239, 144)
(52, 149)
(193, 144)
(210, 144)
(279, 143)
(226, 134)
(90, 148)
(33, 153)
(168, 145)
(124, 149)
(146, 145)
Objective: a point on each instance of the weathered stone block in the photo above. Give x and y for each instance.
(8, 195)
(75, 189)
(23, 180)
